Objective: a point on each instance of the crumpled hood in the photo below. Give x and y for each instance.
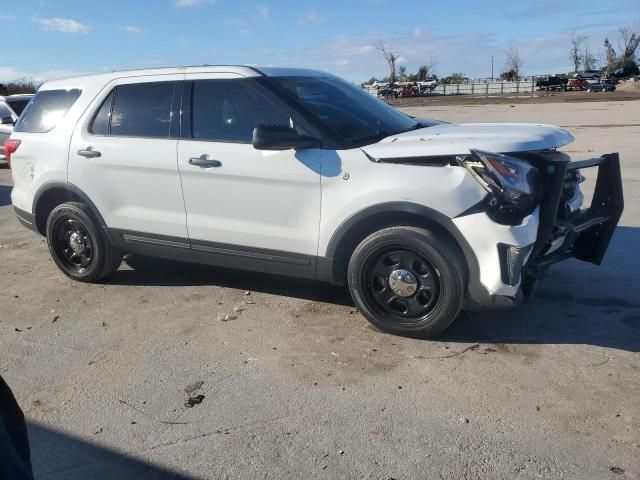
(458, 139)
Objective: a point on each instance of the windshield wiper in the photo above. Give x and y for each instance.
(417, 126)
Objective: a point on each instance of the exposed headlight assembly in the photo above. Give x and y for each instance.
(514, 183)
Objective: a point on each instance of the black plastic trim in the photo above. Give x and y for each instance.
(26, 219)
(255, 259)
(44, 188)
(214, 253)
(154, 241)
(481, 207)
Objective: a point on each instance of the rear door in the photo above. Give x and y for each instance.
(123, 156)
(247, 208)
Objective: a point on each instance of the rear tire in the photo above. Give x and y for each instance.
(407, 281)
(77, 244)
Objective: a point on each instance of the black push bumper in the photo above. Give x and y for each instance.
(586, 233)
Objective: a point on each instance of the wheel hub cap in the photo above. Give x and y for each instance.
(76, 242)
(403, 282)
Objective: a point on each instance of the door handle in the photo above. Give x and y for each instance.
(204, 161)
(89, 152)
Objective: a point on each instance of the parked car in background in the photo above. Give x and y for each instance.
(552, 82)
(407, 89)
(578, 84)
(379, 84)
(429, 83)
(387, 92)
(601, 87)
(625, 72)
(18, 102)
(8, 118)
(297, 172)
(589, 74)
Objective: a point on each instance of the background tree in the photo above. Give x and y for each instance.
(589, 61)
(23, 85)
(391, 59)
(611, 55)
(454, 78)
(630, 40)
(514, 63)
(426, 71)
(402, 73)
(509, 76)
(575, 52)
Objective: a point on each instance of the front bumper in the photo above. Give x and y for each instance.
(556, 231)
(585, 234)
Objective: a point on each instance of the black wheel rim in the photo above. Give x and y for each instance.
(72, 244)
(404, 301)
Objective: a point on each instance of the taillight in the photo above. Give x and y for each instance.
(10, 146)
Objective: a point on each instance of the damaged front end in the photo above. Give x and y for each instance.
(546, 184)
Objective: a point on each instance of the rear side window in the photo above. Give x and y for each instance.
(228, 110)
(45, 110)
(140, 110)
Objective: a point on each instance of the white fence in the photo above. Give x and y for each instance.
(485, 88)
(482, 88)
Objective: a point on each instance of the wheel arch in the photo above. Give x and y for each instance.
(52, 194)
(357, 227)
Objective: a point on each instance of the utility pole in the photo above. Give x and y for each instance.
(491, 68)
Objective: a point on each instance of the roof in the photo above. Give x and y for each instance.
(243, 70)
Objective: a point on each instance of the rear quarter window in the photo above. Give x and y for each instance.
(46, 109)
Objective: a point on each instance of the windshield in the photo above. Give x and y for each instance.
(349, 111)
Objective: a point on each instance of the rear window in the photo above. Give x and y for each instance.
(46, 110)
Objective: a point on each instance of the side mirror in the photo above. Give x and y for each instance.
(7, 121)
(280, 137)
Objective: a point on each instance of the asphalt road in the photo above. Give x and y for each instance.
(298, 385)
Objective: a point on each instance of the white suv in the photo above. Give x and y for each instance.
(297, 172)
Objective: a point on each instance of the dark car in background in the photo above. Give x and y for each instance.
(18, 102)
(552, 82)
(626, 72)
(601, 87)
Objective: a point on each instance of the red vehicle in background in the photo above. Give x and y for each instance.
(578, 84)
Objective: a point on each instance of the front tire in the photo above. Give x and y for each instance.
(77, 245)
(407, 280)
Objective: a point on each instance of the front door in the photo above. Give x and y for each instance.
(246, 208)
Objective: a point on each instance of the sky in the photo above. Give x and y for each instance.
(48, 39)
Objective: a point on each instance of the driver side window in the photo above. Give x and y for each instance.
(228, 110)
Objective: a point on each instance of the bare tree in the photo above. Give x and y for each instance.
(402, 73)
(426, 71)
(576, 57)
(391, 59)
(630, 42)
(514, 62)
(589, 61)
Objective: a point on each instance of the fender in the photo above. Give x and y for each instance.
(73, 191)
(352, 228)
